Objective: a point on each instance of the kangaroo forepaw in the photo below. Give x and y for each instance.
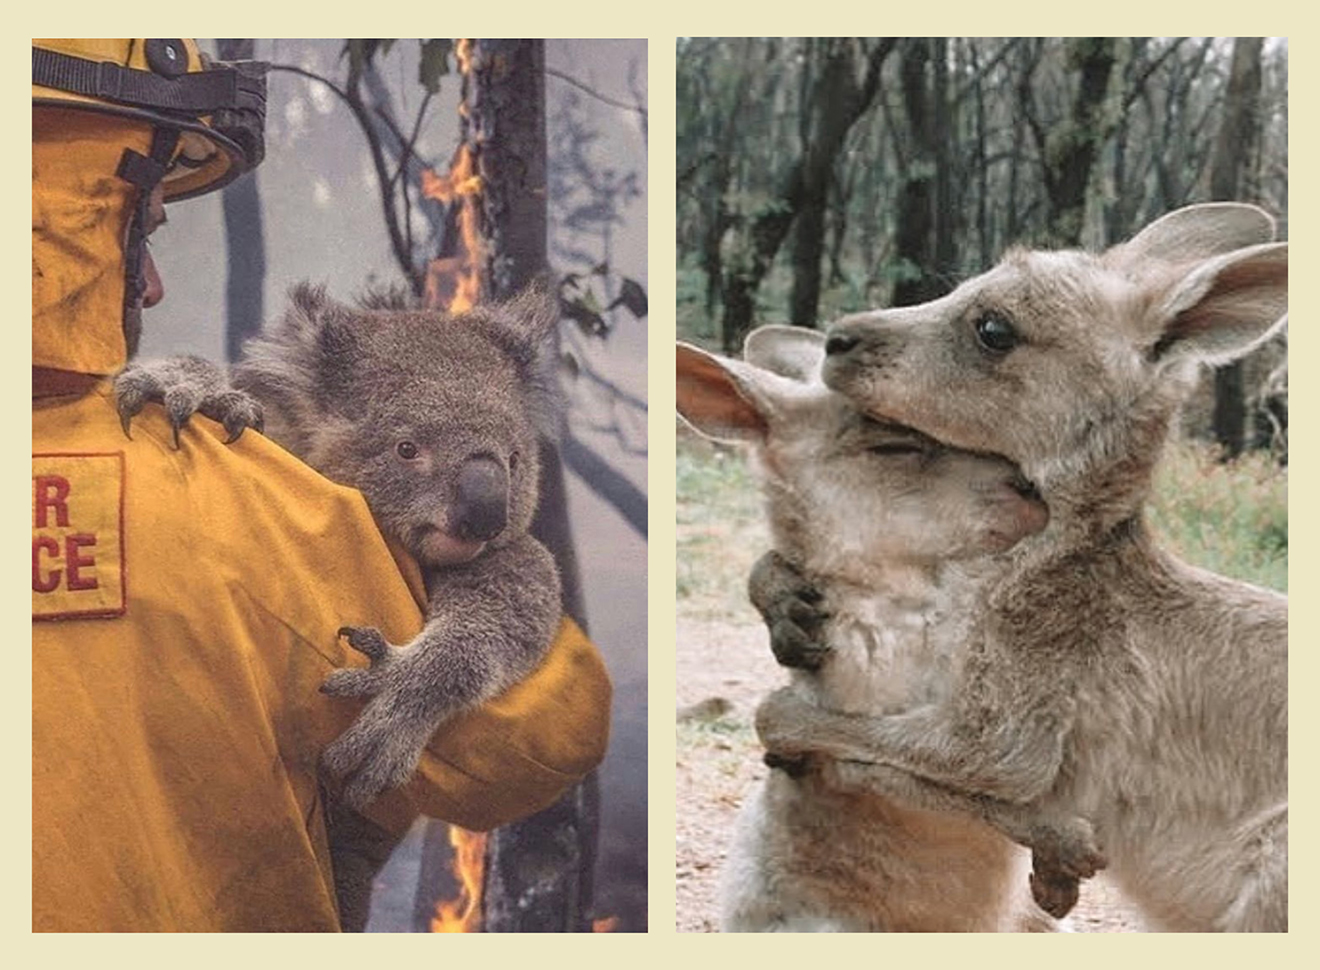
(1053, 891)
(793, 612)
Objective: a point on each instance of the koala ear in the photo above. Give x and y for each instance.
(529, 321)
(724, 399)
(328, 330)
(793, 352)
(526, 328)
(1222, 307)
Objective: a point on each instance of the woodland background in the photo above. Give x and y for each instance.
(822, 176)
(818, 176)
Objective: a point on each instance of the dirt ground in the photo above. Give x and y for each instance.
(724, 668)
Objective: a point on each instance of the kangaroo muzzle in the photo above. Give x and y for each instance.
(481, 508)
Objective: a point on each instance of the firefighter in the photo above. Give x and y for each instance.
(185, 602)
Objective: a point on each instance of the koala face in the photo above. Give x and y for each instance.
(436, 419)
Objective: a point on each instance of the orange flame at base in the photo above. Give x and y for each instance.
(461, 915)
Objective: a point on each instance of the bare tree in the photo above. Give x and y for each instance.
(1231, 178)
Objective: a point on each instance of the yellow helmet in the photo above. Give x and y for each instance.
(217, 110)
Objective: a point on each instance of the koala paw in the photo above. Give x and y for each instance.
(381, 749)
(185, 386)
(371, 757)
(792, 610)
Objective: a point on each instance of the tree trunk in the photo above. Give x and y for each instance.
(1070, 150)
(914, 235)
(1236, 143)
(837, 102)
(538, 872)
(245, 240)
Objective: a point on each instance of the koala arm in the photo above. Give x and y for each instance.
(488, 624)
(185, 386)
(792, 610)
(1010, 756)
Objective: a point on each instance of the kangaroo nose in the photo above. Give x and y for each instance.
(840, 343)
(481, 511)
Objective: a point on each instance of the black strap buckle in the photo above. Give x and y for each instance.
(109, 81)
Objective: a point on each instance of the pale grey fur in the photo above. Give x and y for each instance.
(342, 388)
(1106, 677)
(875, 517)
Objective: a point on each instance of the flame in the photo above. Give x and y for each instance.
(454, 283)
(463, 915)
(605, 925)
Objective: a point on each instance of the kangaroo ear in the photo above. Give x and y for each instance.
(724, 399)
(1222, 307)
(1195, 232)
(793, 352)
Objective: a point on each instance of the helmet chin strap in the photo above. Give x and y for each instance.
(144, 172)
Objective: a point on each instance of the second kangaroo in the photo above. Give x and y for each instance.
(897, 530)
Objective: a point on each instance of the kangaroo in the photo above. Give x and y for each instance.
(896, 530)
(1105, 678)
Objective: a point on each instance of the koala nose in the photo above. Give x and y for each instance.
(840, 343)
(481, 510)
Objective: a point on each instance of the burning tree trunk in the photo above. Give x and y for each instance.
(535, 875)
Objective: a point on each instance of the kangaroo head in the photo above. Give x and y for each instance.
(1068, 362)
(846, 491)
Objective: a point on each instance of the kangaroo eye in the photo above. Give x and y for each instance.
(996, 334)
(513, 461)
(407, 449)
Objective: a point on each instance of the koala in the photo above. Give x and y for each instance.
(437, 419)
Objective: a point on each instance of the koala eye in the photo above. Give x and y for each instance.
(995, 333)
(407, 449)
(513, 461)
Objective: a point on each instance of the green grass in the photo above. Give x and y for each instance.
(720, 526)
(1229, 518)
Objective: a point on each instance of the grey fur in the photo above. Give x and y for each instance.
(874, 517)
(1105, 677)
(343, 388)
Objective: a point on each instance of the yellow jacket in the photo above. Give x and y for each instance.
(185, 608)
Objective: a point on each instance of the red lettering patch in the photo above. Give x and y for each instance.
(78, 536)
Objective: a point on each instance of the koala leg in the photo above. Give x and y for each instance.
(490, 622)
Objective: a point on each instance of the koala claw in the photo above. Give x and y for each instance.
(366, 640)
(185, 386)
